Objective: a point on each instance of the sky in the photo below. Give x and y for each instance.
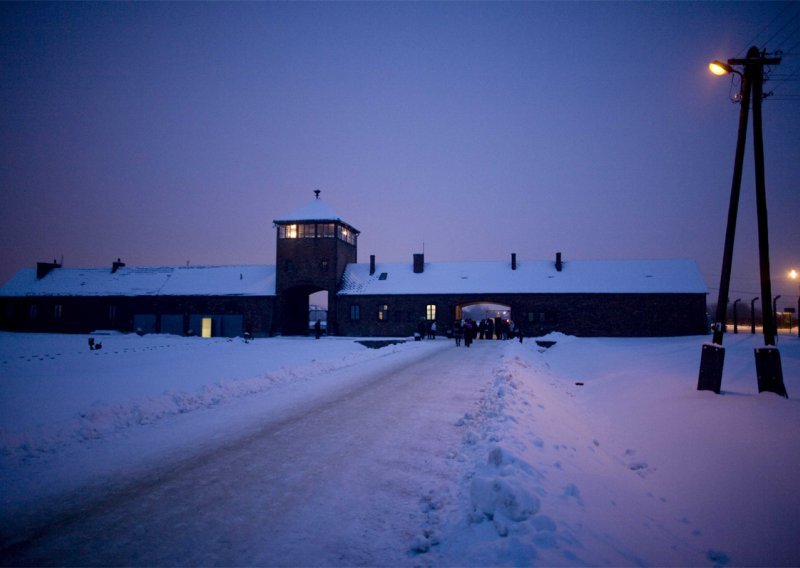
(167, 133)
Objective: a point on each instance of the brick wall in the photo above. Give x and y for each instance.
(600, 315)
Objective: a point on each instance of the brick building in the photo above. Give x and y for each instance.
(317, 251)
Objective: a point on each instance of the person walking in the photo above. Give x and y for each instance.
(458, 332)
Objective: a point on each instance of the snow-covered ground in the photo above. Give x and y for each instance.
(595, 451)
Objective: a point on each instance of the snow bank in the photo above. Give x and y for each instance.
(602, 452)
(137, 381)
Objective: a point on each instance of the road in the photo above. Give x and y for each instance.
(342, 482)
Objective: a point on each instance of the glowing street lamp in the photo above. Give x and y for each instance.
(720, 68)
(768, 362)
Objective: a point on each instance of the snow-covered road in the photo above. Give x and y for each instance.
(166, 450)
(344, 481)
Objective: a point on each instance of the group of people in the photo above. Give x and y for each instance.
(426, 328)
(468, 330)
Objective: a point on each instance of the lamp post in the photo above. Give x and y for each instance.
(736, 316)
(768, 363)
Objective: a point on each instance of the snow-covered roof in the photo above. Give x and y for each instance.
(258, 280)
(316, 210)
(530, 277)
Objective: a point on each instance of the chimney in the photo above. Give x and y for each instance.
(117, 265)
(371, 264)
(559, 265)
(513, 261)
(44, 268)
(419, 263)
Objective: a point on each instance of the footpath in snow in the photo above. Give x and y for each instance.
(595, 451)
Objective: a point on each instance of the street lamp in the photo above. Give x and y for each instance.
(719, 68)
(768, 362)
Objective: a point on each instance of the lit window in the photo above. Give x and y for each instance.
(206, 327)
(346, 235)
(430, 312)
(383, 313)
(291, 231)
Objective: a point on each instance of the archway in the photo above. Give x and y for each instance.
(491, 317)
(296, 309)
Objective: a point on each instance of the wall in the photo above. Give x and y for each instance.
(87, 314)
(599, 315)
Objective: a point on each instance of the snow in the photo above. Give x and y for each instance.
(537, 277)
(533, 277)
(315, 210)
(233, 280)
(595, 451)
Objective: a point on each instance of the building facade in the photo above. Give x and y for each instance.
(317, 251)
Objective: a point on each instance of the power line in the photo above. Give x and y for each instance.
(783, 27)
(764, 29)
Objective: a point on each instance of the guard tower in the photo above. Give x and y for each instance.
(314, 246)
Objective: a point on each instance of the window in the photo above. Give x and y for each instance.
(112, 312)
(355, 312)
(383, 312)
(326, 230)
(306, 231)
(323, 266)
(430, 312)
(289, 231)
(346, 235)
(33, 311)
(57, 311)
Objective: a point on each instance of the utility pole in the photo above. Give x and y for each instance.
(768, 362)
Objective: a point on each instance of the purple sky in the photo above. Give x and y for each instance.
(163, 133)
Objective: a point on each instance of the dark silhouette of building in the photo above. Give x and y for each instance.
(317, 251)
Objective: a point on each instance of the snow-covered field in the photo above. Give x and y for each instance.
(595, 451)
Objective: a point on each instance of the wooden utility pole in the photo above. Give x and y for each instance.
(768, 361)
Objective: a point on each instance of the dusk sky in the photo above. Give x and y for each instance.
(162, 133)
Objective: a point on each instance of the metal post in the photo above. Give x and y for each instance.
(736, 315)
(753, 315)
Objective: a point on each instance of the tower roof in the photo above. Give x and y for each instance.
(316, 210)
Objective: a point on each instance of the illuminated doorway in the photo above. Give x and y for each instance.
(206, 327)
(489, 316)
